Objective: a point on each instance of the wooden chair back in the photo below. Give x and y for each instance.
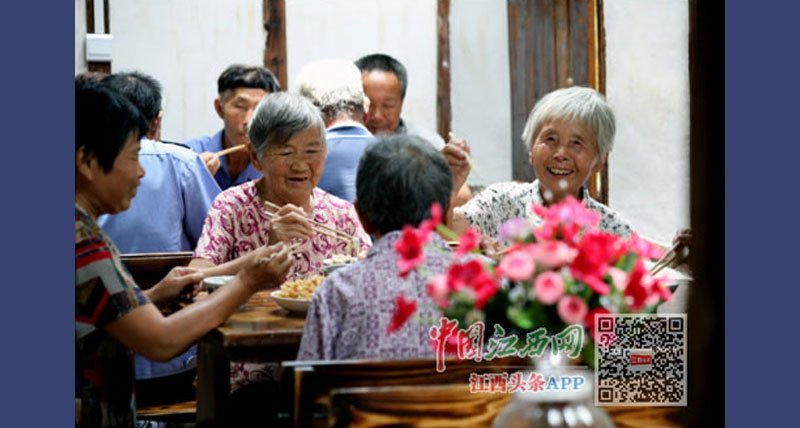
(420, 406)
(314, 380)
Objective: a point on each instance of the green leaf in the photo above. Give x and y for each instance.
(520, 318)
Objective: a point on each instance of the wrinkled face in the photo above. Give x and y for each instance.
(564, 154)
(236, 109)
(385, 101)
(293, 170)
(113, 191)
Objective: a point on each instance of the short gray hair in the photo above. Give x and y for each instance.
(333, 85)
(278, 117)
(574, 103)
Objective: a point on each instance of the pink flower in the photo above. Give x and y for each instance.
(409, 247)
(402, 312)
(644, 249)
(564, 220)
(549, 286)
(438, 292)
(618, 277)
(517, 266)
(515, 229)
(468, 242)
(551, 254)
(572, 309)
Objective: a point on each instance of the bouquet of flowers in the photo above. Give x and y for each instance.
(557, 274)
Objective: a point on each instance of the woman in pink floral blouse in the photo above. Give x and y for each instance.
(288, 148)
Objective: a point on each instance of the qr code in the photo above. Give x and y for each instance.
(640, 360)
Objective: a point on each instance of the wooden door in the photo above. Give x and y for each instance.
(552, 44)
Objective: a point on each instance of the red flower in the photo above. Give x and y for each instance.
(409, 247)
(468, 242)
(596, 252)
(640, 287)
(473, 276)
(436, 218)
(403, 310)
(517, 266)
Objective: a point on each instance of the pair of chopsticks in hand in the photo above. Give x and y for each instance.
(673, 257)
(318, 227)
(451, 136)
(265, 260)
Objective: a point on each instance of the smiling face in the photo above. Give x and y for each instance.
(236, 108)
(564, 154)
(291, 171)
(385, 101)
(111, 192)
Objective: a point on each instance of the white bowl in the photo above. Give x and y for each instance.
(213, 282)
(291, 305)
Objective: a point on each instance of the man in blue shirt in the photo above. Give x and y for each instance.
(335, 87)
(166, 215)
(239, 89)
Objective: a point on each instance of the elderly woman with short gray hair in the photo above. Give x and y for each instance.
(288, 148)
(569, 134)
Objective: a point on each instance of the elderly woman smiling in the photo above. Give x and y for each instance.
(288, 148)
(569, 135)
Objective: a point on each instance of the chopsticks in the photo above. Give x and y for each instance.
(292, 248)
(670, 257)
(471, 163)
(230, 150)
(319, 227)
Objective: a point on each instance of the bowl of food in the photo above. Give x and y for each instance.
(335, 262)
(295, 296)
(213, 282)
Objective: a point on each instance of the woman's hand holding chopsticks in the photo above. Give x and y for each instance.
(288, 223)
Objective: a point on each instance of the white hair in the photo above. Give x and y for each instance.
(333, 85)
(574, 103)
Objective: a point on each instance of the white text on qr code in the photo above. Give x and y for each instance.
(640, 359)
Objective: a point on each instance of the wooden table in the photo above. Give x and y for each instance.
(259, 331)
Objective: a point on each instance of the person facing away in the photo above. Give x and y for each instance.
(113, 316)
(166, 215)
(334, 86)
(399, 178)
(239, 89)
(385, 81)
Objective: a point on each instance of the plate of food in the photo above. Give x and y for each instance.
(295, 296)
(213, 282)
(336, 261)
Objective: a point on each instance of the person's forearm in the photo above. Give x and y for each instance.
(231, 267)
(458, 223)
(161, 338)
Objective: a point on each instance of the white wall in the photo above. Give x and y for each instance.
(351, 29)
(480, 86)
(186, 44)
(647, 83)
